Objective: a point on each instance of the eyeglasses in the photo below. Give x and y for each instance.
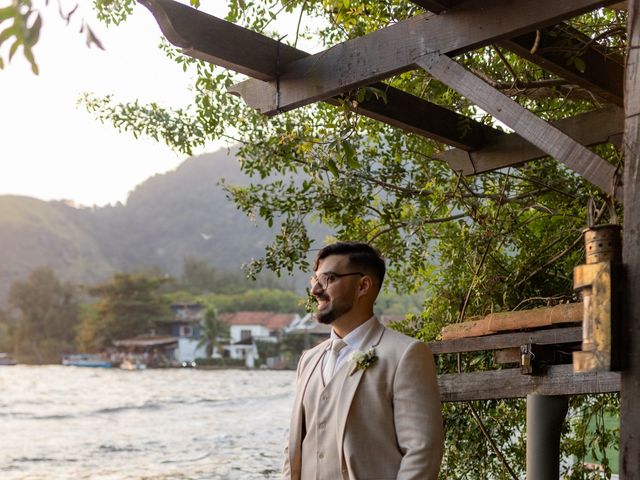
(327, 278)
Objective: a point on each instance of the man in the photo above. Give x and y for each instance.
(367, 404)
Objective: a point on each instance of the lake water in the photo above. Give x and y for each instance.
(108, 424)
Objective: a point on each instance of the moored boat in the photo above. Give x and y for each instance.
(87, 360)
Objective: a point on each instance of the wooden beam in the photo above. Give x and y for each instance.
(550, 336)
(595, 69)
(510, 383)
(508, 150)
(435, 6)
(220, 42)
(421, 117)
(538, 132)
(630, 389)
(208, 38)
(399, 47)
(542, 317)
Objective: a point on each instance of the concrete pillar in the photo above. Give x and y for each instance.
(545, 415)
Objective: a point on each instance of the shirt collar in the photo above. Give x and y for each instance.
(355, 337)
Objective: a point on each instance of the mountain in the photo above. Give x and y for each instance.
(181, 213)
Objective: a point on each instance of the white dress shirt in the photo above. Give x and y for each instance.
(353, 340)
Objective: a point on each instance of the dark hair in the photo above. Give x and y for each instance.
(361, 256)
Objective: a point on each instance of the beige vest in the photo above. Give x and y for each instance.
(320, 449)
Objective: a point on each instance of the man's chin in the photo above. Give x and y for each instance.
(326, 318)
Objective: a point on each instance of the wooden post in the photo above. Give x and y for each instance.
(630, 377)
(545, 416)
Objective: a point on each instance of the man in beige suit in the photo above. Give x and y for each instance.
(367, 404)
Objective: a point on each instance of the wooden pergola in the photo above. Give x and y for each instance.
(283, 78)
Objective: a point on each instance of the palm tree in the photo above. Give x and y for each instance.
(212, 331)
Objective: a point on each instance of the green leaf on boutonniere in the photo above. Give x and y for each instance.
(362, 360)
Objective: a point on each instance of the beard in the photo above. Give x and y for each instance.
(332, 312)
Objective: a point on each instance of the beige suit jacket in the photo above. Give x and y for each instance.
(390, 420)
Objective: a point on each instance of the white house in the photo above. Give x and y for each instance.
(247, 327)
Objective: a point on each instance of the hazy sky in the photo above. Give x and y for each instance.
(52, 149)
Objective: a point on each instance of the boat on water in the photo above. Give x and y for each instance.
(6, 360)
(87, 360)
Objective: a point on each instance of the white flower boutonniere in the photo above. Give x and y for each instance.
(362, 360)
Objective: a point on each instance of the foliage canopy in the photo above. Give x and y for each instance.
(496, 242)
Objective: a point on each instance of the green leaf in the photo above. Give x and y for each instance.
(8, 12)
(350, 154)
(12, 31)
(333, 168)
(34, 32)
(28, 54)
(14, 48)
(580, 65)
(379, 93)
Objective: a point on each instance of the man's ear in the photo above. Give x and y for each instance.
(366, 284)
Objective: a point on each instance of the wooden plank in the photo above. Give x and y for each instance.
(208, 38)
(538, 132)
(220, 42)
(510, 383)
(603, 72)
(518, 320)
(629, 417)
(435, 6)
(398, 48)
(550, 336)
(508, 150)
(415, 115)
(507, 355)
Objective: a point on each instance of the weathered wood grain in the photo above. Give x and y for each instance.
(518, 320)
(507, 150)
(222, 43)
(550, 336)
(510, 383)
(436, 6)
(397, 48)
(421, 117)
(630, 395)
(538, 132)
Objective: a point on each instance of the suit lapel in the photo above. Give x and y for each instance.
(351, 383)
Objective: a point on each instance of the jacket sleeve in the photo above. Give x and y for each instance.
(417, 414)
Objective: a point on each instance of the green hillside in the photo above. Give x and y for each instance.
(181, 213)
(34, 233)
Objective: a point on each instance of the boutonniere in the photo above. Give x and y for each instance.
(362, 360)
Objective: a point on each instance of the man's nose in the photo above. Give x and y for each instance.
(317, 289)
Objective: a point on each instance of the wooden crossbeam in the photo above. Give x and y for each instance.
(551, 336)
(398, 48)
(217, 41)
(511, 383)
(546, 137)
(415, 115)
(222, 43)
(593, 68)
(436, 6)
(592, 128)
